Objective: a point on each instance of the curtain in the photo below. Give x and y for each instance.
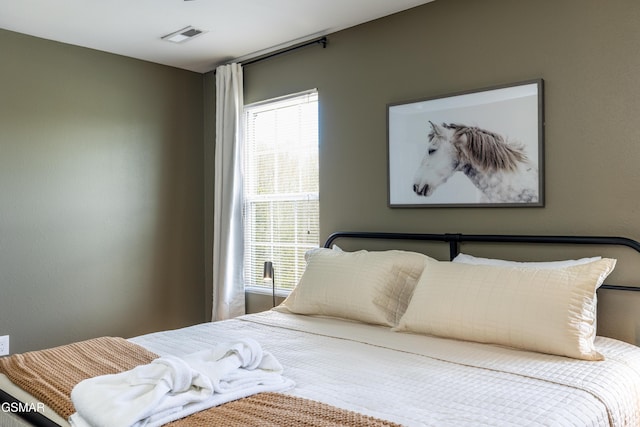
(228, 245)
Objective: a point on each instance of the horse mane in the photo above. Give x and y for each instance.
(486, 150)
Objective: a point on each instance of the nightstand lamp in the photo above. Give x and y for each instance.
(268, 274)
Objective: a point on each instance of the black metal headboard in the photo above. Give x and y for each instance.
(454, 241)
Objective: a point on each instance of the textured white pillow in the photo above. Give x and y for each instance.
(470, 259)
(545, 310)
(372, 287)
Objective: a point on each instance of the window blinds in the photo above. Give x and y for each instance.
(281, 211)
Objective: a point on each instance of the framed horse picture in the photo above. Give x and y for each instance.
(481, 148)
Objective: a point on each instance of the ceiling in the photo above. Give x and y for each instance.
(234, 29)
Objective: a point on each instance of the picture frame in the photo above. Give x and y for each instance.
(479, 148)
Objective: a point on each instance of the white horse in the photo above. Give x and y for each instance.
(500, 170)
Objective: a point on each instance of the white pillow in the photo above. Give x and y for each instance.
(470, 259)
(371, 287)
(545, 310)
(308, 253)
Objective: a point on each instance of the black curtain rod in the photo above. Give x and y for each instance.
(321, 40)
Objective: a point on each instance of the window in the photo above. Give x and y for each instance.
(281, 219)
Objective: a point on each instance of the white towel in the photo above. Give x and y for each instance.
(170, 388)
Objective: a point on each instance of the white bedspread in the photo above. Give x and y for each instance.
(425, 381)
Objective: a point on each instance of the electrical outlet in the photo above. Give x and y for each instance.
(4, 345)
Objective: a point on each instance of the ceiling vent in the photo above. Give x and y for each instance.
(181, 36)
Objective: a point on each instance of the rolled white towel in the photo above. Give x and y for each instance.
(170, 388)
(236, 366)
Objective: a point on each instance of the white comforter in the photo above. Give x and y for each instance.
(425, 381)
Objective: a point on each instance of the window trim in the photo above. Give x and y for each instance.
(282, 98)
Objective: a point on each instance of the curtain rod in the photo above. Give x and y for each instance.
(320, 40)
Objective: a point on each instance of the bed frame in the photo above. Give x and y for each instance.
(453, 240)
(22, 418)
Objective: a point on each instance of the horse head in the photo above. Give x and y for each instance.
(500, 169)
(439, 162)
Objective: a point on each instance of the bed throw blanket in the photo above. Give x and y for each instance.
(170, 388)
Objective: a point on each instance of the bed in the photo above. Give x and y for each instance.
(395, 337)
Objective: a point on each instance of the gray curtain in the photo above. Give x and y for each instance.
(228, 244)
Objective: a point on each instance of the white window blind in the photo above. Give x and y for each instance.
(281, 212)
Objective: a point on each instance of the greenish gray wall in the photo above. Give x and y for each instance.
(587, 53)
(101, 183)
